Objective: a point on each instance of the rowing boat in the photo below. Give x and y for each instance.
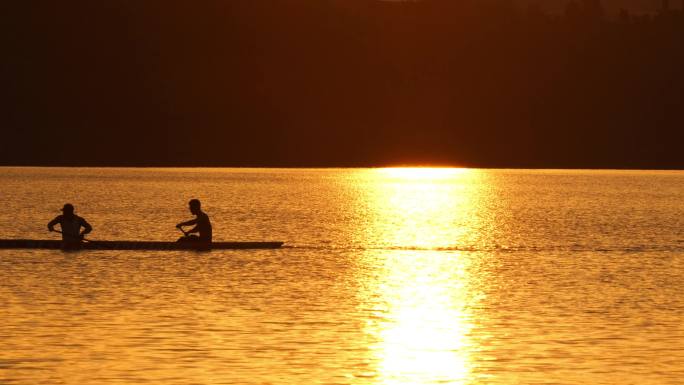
(135, 245)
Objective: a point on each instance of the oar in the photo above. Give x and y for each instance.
(83, 239)
(183, 231)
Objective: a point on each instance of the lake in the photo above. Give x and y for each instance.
(388, 276)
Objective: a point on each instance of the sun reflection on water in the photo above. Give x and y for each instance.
(424, 336)
(418, 173)
(422, 333)
(424, 207)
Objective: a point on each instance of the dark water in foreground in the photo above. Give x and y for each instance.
(390, 276)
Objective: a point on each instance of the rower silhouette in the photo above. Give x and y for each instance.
(70, 224)
(201, 223)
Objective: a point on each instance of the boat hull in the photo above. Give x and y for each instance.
(135, 245)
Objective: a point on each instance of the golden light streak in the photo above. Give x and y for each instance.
(423, 332)
(418, 173)
(423, 207)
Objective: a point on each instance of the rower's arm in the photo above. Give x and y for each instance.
(187, 223)
(201, 221)
(52, 223)
(86, 227)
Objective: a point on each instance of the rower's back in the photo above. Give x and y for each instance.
(204, 227)
(70, 225)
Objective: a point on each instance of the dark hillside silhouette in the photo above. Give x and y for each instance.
(340, 83)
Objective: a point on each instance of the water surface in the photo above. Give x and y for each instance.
(390, 276)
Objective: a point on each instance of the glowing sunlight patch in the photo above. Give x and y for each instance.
(423, 172)
(425, 336)
(423, 295)
(421, 207)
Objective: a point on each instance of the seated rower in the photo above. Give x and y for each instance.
(201, 223)
(70, 224)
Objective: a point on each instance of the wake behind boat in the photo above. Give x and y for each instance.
(135, 245)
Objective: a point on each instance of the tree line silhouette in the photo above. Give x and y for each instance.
(486, 83)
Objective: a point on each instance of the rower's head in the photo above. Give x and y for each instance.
(68, 209)
(195, 206)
